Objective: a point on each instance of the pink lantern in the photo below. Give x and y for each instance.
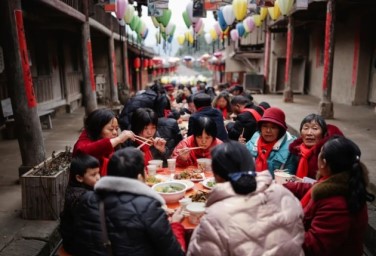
(249, 24)
(234, 34)
(217, 29)
(121, 5)
(198, 25)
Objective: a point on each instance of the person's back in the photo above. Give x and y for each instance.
(202, 103)
(168, 129)
(135, 221)
(146, 99)
(247, 213)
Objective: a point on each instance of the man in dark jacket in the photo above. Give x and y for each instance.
(168, 129)
(203, 106)
(135, 221)
(245, 124)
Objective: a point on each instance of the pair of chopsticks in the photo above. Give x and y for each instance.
(188, 149)
(144, 141)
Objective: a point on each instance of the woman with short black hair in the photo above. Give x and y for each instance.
(203, 139)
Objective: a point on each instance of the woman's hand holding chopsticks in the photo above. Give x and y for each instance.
(160, 144)
(123, 136)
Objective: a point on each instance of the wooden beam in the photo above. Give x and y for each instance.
(64, 8)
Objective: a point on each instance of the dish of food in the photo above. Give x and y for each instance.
(186, 175)
(209, 183)
(200, 196)
(151, 180)
(169, 188)
(188, 183)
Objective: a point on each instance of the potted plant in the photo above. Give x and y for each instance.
(43, 187)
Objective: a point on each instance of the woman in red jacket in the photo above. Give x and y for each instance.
(203, 139)
(101, 136)
(335, 209)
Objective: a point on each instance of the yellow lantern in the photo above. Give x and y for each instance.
(181, 39)
(257, 20)
(274, 12)
(285, 6)
(239, 8)
(213, 34)
(263, 13)
(189, 37)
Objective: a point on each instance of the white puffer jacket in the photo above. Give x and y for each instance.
(265, 222)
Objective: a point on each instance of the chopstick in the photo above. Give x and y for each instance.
(143, 138)
(143, 141)
(188, 149)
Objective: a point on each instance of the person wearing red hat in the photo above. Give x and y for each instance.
(270, 144)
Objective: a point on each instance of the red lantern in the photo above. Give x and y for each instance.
(137, 63)
(146, 64)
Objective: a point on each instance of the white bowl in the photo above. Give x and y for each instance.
(196, 210)
(171, 197)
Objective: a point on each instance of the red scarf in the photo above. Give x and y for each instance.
(307, 197)
(224, 112)
(305, 152)
(263, 152)
(147, 153)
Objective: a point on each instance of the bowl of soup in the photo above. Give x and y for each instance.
(171, 191)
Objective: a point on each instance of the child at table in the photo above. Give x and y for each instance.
(84, 173)
(199, 144)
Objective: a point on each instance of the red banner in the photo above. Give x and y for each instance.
(28, 80)
(91, 66)
(114, 68)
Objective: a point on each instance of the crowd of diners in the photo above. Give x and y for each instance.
(109, 210)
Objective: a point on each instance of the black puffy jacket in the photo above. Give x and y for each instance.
(213, 114)
(136, 223)
(168, 129)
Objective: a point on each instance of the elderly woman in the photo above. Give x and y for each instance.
(223, 104)
(335, 209)
(314, 132)
(101, 136)
(269, 145)
(247, 213)
(199, 144)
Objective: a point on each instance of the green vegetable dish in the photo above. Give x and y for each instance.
(168, 189)
(211, 184)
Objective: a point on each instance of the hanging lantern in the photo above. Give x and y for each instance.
(181, 39)
(146, 64)
(263, 13)
(257, 20)
(285, 6)
(137, 63)
(274, 12)
(239, 8)
(228, 15)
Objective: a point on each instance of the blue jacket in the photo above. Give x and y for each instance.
(280, 157)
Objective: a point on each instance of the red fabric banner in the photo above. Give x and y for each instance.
(28, 80)
(91, 66)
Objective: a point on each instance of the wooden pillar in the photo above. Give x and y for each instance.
(267, 58)
(288, 95)
(112, 70)
(125, 64)
(326, 104)
(20, 86)
(88, 67)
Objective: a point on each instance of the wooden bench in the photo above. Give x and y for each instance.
(45, 117)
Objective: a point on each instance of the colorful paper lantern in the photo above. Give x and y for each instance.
(208, 38)
(137, 63)
(274, 12)
(263, 13)
(240, 28)
(239, 8)
(181, 39)
(228, 14)
(249, 24)
(121, 5)
(257, 20)
(234, 35)
(129, 14)
(186, 19)
(285, 6)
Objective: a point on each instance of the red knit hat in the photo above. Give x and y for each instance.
(275, 116)
(169, 87)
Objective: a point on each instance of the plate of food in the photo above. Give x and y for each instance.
(153, 179)
(197, 177)
(209, 183)
(199, 196)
